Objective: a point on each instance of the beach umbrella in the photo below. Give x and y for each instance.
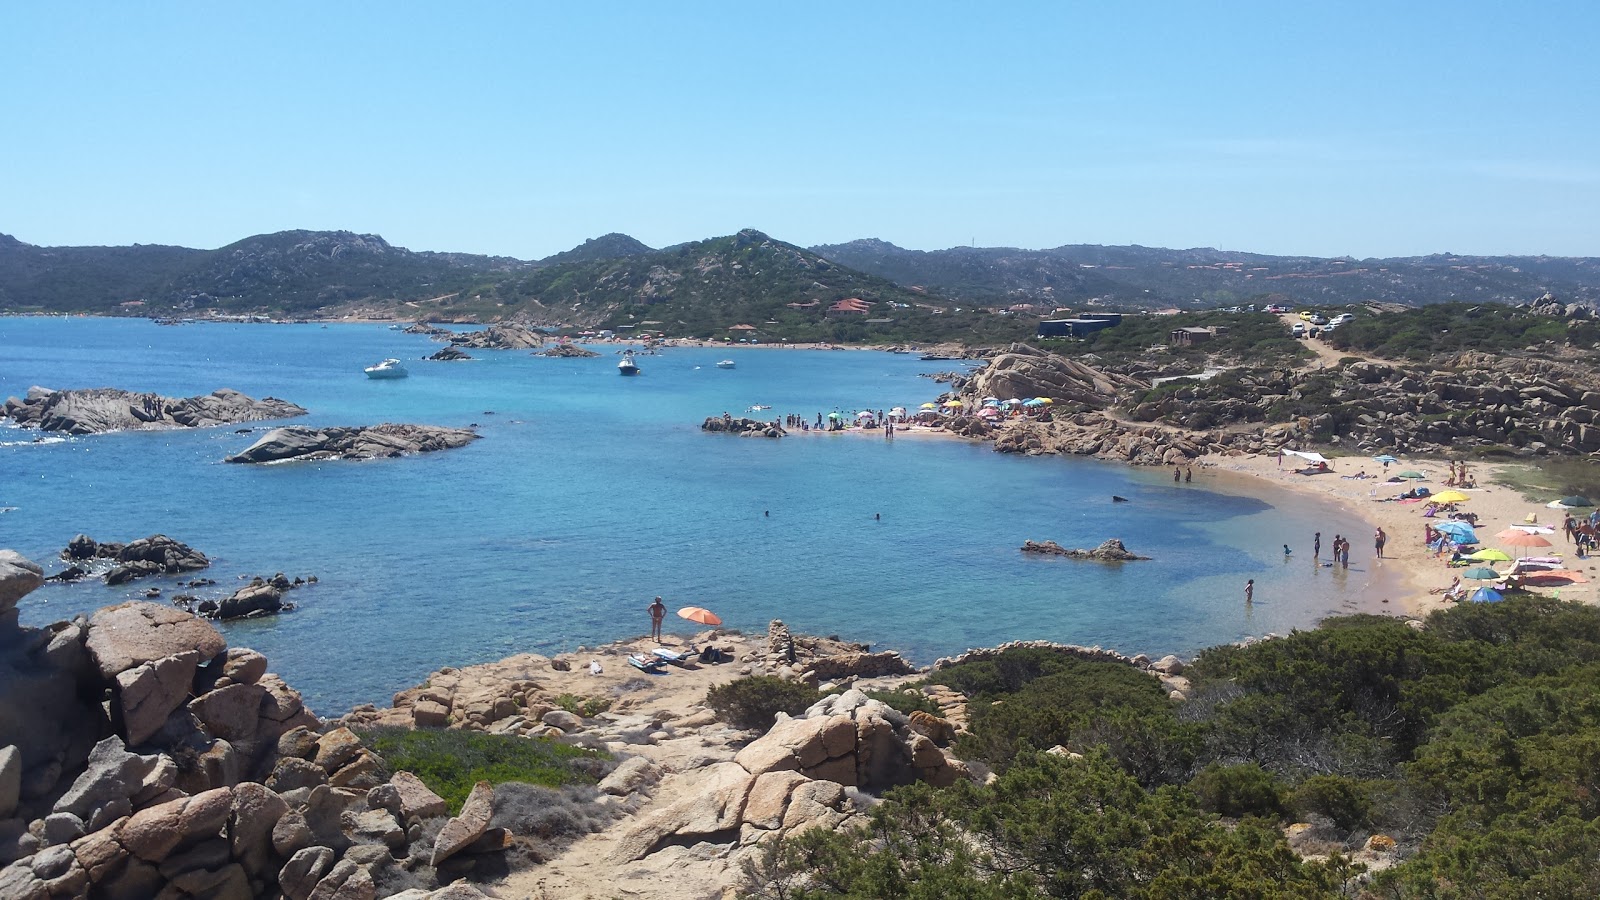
(1523, 539)
(1486, 594)
(1032, 403)
(835, 415)
(1013, 402)
(1386, 458)
(699, 614)
(865, 414)
(1411, 474)
(988, 412)
(1488, 555)
(952, 404)
(1481, 573)
(898, 411)
(1044, 400)
(929, 406)
(1451, 497)
(990, 401)
(1525, 529)
(1575, 500)
(1460, 532)
(1555, 575)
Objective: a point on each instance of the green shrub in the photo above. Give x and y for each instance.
(1237, 791)
(1344, 800)
(755, 702)
(451, 762)
(907, 700)
(587, 707)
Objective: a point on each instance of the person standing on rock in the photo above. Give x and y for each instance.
(658, 611)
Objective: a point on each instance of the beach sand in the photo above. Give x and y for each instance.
(1419, 574)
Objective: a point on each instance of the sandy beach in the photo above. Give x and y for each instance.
(1421, 576)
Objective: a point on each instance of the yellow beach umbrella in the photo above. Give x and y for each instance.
(930, 406)
(953, 404)
(1490, 555)
(1450, 497)
(1045, 400)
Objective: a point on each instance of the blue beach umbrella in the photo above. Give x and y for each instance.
(1460, 532)
(1386, 458)
(1486, 595)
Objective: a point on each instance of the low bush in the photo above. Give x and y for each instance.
(907, 701)
(1344, 800)
(451, 762)
(587, 707)
(755, 702)
(1237, 791)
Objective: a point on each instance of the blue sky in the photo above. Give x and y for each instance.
(523, 128)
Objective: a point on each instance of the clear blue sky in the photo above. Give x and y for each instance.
(521, 128)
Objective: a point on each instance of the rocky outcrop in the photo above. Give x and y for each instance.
(154, 555)
(496, 337)
(366, 442)
(98, 410)
(570, 351)
(19, 576)
(1023, 372)
(1110, 550)
(426, 328)
(744, 427)
(450, 354)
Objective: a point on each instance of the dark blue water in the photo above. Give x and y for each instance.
(590, 493)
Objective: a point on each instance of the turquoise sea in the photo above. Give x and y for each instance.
(589, 494)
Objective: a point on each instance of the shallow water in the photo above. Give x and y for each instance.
(589, 494)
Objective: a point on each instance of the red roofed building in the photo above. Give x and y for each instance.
(850, 306)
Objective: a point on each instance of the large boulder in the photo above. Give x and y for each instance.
(1024, 371)
(501, 336)
(134, 633)
(462, 830)
(254, 599)
(18, 577)
(147, 694)
(114, 776)
(417, 801)
(715, 807)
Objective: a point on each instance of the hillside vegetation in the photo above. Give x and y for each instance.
(1423, 333)
(1471, 746)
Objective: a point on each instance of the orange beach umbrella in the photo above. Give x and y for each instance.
(699, 614)
(1521, 539)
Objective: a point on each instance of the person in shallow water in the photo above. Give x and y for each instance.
(658, 611)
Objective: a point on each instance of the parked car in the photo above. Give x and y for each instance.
(1298, 330)
(1318, 319)
(1306, 314)
(1341, 318)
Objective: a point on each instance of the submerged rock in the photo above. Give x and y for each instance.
(97, 410)
(364, 442)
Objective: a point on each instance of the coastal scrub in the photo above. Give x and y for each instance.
(450, 762)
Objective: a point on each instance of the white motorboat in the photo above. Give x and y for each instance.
(626, 366)
(725, 364)
(389, 368)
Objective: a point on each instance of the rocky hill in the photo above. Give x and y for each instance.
(1149, 277)
(604, 247)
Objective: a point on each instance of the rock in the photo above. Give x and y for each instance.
(299, 876)
(377, 826)
(430, 714)
(416, 800)
(500, 336)
(1169, 665)
(115, 774)
(254, 599)
(336, 748)
(134, 633)
(569, 350)
(232, 712)
(560, 718)
(291, 834)
(293, 773)
(466, 827)
(769, 798)
(1110, 550)
(938, 730)
(299, 742)
(19, 576)
(632, 776)
(386, 797)
(244, 666)
(147, 694)
(98, 410)
(10, 780)
(153, 833)
(715, 808)
(256, 813)
(364, 442)
(62, 828)
(450, 354)
(746, 427)
(362, 772)
(347, 881)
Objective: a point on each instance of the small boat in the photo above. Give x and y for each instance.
(725, 364)
(626, 366)
(651, 665)
(389, 368)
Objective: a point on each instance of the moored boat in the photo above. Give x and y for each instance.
(389, 368)
(725, 364)
(626, 366)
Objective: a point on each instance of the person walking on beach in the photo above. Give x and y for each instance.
(1250, 591)
(1377, 541)
(1316, 545)
(658, 611)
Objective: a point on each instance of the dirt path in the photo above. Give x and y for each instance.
(1326, 357)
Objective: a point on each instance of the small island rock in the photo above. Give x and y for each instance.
(1110, 550)
(98, 410)
(364, 442)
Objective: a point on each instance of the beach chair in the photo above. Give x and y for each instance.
(680, 658)
(647, 664)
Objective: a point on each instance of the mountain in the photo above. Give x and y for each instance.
(703, 287)
(294, 272)
(1149, 277)
(607, 246)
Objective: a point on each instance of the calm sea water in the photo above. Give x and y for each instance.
(589, 494)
